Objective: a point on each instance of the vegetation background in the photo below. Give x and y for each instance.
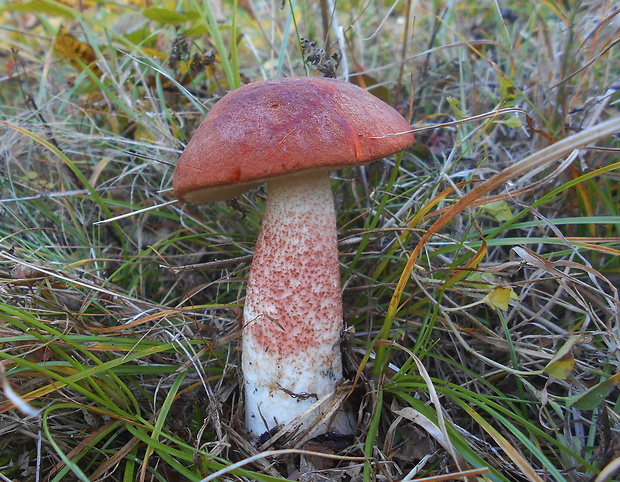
(480, 268)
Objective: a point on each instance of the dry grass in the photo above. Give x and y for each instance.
(480, 294)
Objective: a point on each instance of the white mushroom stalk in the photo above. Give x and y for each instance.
(292, 320)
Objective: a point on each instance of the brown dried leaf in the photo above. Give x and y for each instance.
(78, 53)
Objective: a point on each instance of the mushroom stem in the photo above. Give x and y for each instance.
(293, 307)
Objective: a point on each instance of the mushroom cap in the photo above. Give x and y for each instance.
(284, 127)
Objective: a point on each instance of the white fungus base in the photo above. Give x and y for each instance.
(293, 309)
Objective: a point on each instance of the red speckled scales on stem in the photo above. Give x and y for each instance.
(293, 308)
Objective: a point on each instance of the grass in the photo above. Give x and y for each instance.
(480, 291)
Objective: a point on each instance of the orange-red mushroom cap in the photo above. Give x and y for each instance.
(283, 127)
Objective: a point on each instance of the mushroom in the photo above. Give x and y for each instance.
(289, 133)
